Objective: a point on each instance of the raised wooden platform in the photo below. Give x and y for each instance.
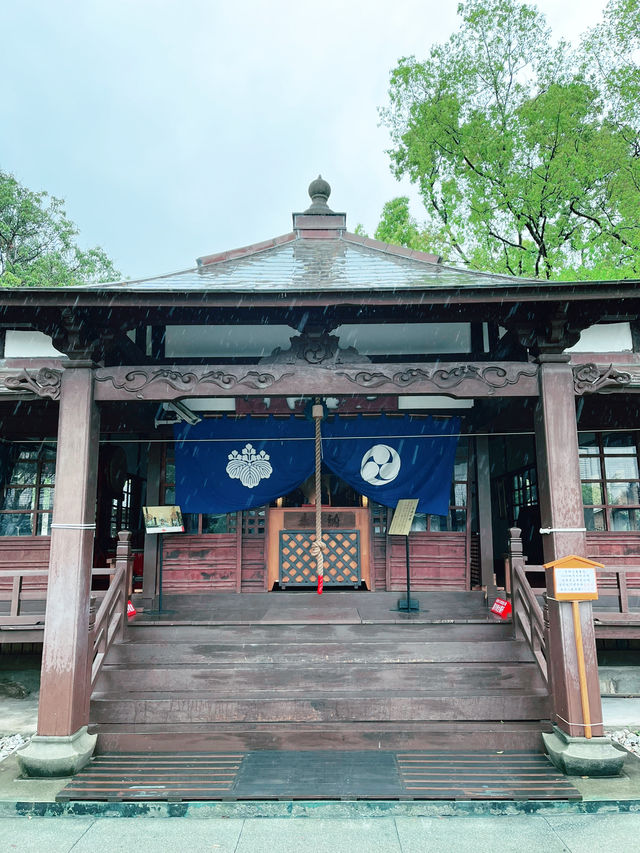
(320, 775)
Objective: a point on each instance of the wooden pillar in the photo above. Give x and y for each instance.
(564, 670)
(152, 541)
(559, 488)
(64, 700)
(485, 521)
(62, 745)
(562, 520)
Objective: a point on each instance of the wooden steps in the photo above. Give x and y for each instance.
(362, 686)
(411, 734)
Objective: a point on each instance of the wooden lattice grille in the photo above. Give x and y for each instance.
(341, 559)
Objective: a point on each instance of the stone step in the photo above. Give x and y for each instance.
(298, 677)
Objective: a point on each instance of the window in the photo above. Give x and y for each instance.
(524, 490)
(121, 510)
(456, 520)
(610, 478)
(27, 493)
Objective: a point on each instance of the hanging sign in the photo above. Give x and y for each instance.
(163, 519)
(403, 517)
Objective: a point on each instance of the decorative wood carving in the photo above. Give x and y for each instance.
(508, 379)
(45, 383)
(315, 346)
(139, 381)
(492, 377)
(588, 378)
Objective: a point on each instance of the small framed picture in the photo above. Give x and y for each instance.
(163, 519)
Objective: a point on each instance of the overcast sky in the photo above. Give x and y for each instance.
(177, 128)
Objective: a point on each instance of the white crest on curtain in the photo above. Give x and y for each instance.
(380, 465)
(249, 466)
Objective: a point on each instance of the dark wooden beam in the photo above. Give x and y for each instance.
(458, 380)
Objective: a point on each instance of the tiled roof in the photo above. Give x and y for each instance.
(341, 261)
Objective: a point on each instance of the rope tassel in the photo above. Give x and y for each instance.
(318, 545)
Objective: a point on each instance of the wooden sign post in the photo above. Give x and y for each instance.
(401, 526)
(574, 580)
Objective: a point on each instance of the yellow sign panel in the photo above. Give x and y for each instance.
(574, 578)
(403, 517)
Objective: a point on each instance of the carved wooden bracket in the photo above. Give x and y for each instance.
(45, 383)
(551, 334)
(589, 378)
(315, 346)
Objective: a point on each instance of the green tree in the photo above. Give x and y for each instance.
(37, 242)
(398, 226)
(526, 154)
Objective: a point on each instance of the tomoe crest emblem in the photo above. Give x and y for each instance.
(249, 466)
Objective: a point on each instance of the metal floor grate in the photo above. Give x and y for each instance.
(316, 775)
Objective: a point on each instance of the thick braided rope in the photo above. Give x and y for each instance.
(317, 546)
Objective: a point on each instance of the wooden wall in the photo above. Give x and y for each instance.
(210, 562)
(254, 564)
(437, 561)
(25, 552)
(204, 563)
(615, 548)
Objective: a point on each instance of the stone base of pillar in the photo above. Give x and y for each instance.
(46, 756)
(581, 756)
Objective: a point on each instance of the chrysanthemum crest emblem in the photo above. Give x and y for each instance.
(249, 466)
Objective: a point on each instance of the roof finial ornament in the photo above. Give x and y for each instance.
(319, 190)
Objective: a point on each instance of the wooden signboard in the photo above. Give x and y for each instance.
(574, 579)
(403, 517)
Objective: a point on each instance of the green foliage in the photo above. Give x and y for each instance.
(399, 227)
(37, 242)
(526, 154)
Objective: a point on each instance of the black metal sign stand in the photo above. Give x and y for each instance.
(407, 604)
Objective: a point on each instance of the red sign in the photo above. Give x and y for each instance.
(131, 611)
(501, 608)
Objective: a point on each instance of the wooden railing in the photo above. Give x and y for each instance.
(111, 618)
(621, 591)
(16, 597)
(528, 618)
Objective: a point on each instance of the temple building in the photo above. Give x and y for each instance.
(318, 364)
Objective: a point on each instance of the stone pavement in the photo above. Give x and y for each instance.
(574, 833)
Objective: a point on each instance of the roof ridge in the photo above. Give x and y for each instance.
(392, 248)
(244, 251)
